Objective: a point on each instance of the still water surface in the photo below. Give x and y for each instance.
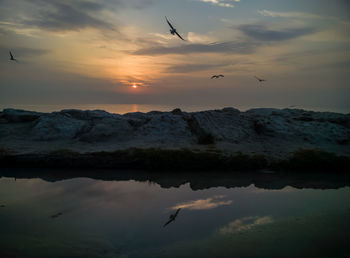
(85, 217)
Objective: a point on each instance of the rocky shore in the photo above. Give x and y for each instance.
(259, 138)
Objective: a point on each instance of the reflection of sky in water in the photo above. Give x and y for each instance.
(125, 218)
(203, 204)
(245, 224)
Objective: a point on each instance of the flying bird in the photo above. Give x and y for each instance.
(172, 29)
(259, 79)
(217, 76)
(172, 217)
(12, 58)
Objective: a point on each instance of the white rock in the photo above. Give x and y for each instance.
(273, 132)
(56, 127)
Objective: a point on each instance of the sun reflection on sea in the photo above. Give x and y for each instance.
(135, 108)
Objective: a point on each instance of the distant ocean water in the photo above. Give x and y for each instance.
(127, 108)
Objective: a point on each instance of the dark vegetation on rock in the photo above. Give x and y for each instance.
(206, 139)
(314, 160)
(160, 159)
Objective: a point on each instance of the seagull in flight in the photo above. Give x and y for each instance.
(259, 79)
(217, 76)
(172, 217)
(172, 29)
(12, 58)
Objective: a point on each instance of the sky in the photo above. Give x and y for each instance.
(95, 51)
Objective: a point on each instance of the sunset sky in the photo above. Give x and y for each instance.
(95, 51)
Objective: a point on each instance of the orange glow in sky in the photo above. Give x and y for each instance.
(138, 60)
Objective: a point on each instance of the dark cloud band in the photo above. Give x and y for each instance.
(225, 47)
(260, 32)
(66, 15)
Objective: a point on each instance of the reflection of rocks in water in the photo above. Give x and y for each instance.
(56, 215)
(2, 206)
(197, 180)
(200, 181)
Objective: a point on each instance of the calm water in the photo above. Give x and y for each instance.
(85, 217)
(127, 108)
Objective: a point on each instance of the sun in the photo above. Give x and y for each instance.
(134, 86)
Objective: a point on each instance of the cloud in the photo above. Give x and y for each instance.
(198, 38)
(261, 32)
(245, 224)
(288, 14)
(203, 204)
(67, 16)
(140, 4)
(300, 16)
(224, 47)
(3, 31)
(188, 68)
(130, 81)
(222, 3)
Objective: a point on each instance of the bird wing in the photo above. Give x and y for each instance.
(259, 79)
(214, 76)
(56, 215)
(179, 35)
(168, 222)
(11, 55)
(177, 212)
(221, 75)
(171, 26)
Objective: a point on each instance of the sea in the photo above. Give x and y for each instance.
(49, 214)
(127, 108)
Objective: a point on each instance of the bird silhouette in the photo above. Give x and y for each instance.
(259, 79)
(217, 76)
(172, 29)
(56, 215)
(172, 217)
(12, 58)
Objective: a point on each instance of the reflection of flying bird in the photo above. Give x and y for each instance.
(172, 217)
(56, 215)
(217, 76)
(172, 29)
(2, 206)
(259, 79)
(12, 58)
